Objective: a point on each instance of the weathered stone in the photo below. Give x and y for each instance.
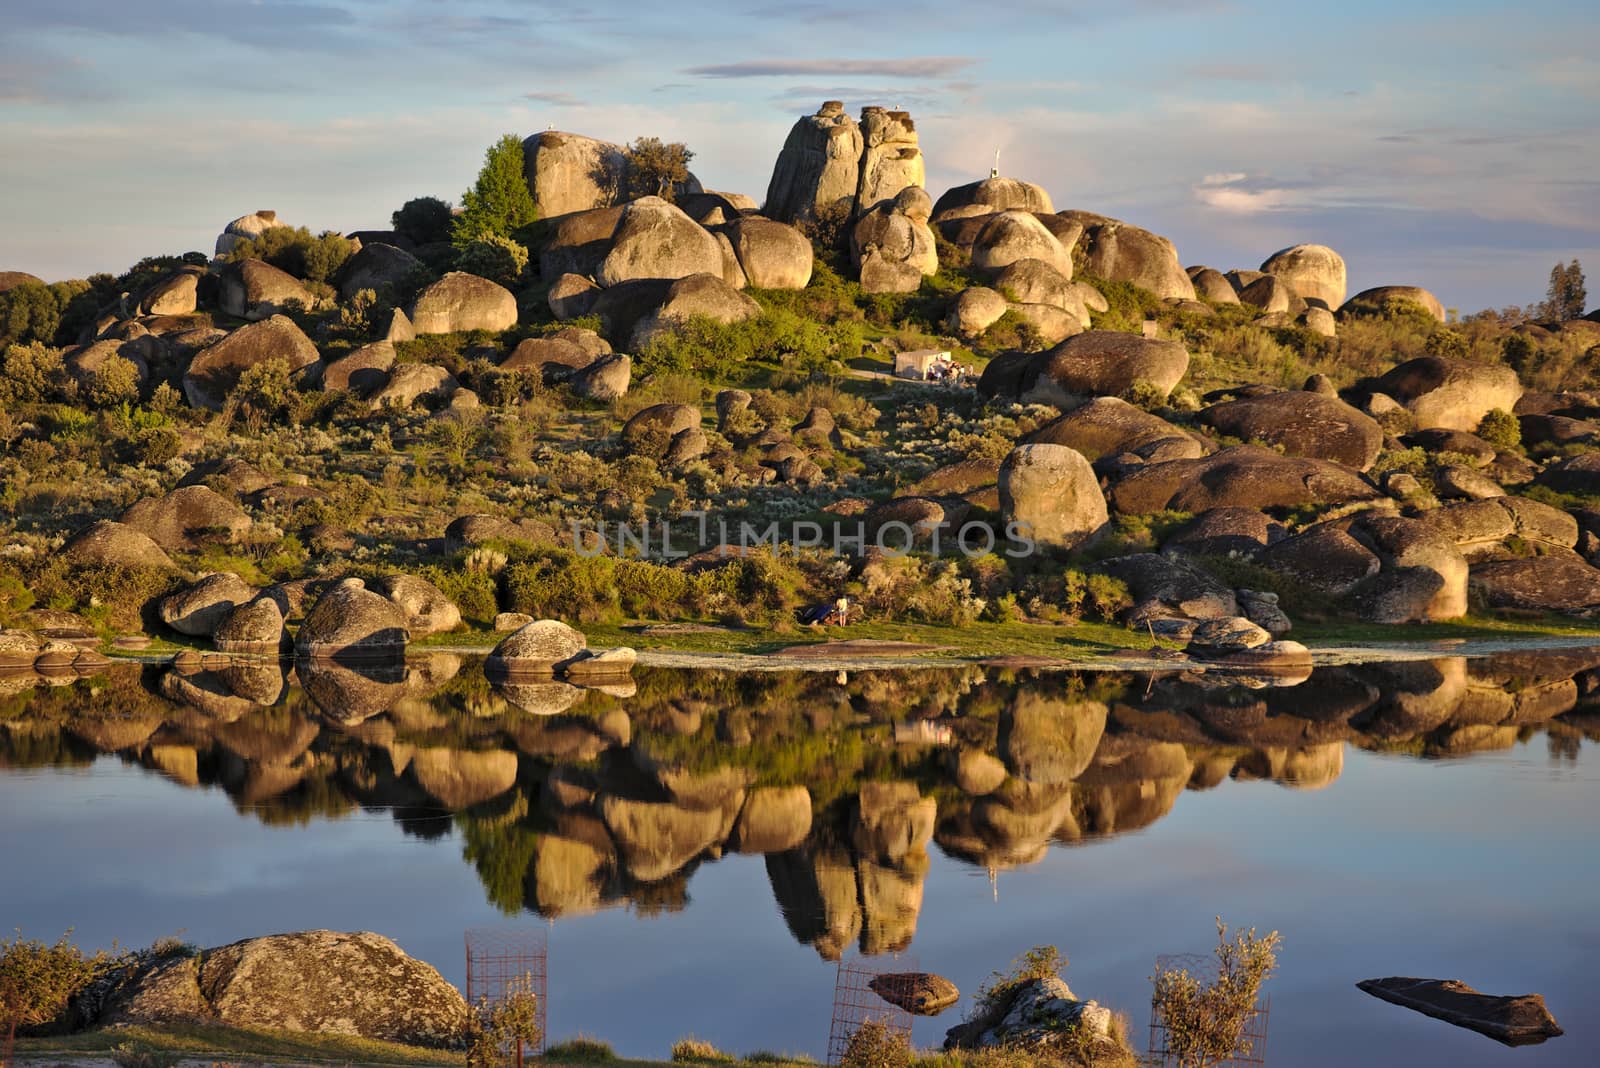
(1450, 394)
(1210, 285)
(1225, 531)
(1539, 584)
(1516, 1021)
(919, 993)
(1110, 426)
(197, 609)
(605, 380)
(654, 239)
(459, 302)
(978, 773)
(1371, 301)
(1460, 482)
(891, 160)
(650, 431)
(350, 621)
(412, 382)
(1175, 585)
(1096, 363)
(656, 840)
(569, 173)
(427, 610)
(253, 627)
(1122, 253)
(1017, 235)
(188, 518)
(1047, 741)
(1302, 424)
(246, 228)
(695, 296)
(1219, 637)
(376, 266)
(1242, 476)
(893, 821)
(1052, 493)
(214, 371)
(771, 254)
(363, 372)
(818, 171)
(536, 648)
(975, 310)
(1315, 272)
(994, 195)
(254, 290)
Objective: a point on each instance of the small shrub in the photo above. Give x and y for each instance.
(316, 258)
(584, 1049)
(874, 1046)
(693, 1050)
(38, 980)
(1501, 429)
(1040, 962)
(29, 373)
(1205, 1021)
(499, 259)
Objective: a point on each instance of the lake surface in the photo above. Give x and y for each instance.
(1433, 818)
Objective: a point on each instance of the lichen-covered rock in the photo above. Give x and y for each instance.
(1096, 363)
(537, 648)
(375, 266)
(253, 627)
(892, 251)
(1302, 424)
(1242, 476)
(654, 239)
(919, 993)
(427, 609)
(650, 432)
(1018, 235)
(1450, 394)
(316, 982)
(975, 310)
(1371, 301)
(1109, 426)
(104, 543)
(215, 370)
(351, 621)
(363, 372)
(459, 302)
(412, 382)
(188, 518)
(695, 296)
(818, 171)
(246, 228)
(1051, 493)
(771, 254)
(604, 380)
(254, 290)
(1122, 253)
(891, 159)
(197, 609)
(1212, 286)
(1315, 272)
(569, 173)
(993, 195)
(1539, 584)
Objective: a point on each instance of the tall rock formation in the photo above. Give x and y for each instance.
(831, 163)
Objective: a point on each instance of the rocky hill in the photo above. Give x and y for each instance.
(202, 445)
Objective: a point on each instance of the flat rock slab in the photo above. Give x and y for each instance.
(857, 647)
(1517, 1021)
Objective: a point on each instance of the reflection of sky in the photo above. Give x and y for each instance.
(1481, 869)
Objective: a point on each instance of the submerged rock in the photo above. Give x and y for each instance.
(1516, 1021)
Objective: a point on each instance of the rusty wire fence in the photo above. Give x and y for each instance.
(1249, 1050)
(502, 961)
(870, 990)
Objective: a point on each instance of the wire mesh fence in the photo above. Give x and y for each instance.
(1249, 1048)
(503, 961)
(871, 990)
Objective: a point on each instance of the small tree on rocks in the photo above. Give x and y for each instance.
(499, 201)
(656, 167)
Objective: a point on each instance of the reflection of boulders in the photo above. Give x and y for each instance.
(1049, 741)
(354, 692)
(461, 778)
(655, 839)
(891, 901)
(567, 876)
(816, 891)
(894, 820)
(774, 819)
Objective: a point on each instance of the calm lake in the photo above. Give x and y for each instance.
(1434, 818)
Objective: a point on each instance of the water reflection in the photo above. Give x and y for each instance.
(568, 800)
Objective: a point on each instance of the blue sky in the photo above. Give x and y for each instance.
(1455, 146)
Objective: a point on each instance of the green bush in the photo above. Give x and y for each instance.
(693, 1050)
(29, 373)
(873, 1045)
(116, 381)
(499, 259)
(1501, 429)
(585, 1049)
(722, 351)
(29, 312)
(37, 980)
(472, 591)
(499, 201)
(316, 258)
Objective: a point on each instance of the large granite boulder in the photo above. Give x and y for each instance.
(569, 173)
(695, 296)
(427, 610)
(1243, 476)
(771, 254)
(375, 266)
(246, 228)
(1480, 528)
(1166, 587)
(891, 160)
(1556, 583)
(818, 171)
(1018, 235)
(215, 370)
(363, 372)
(1096, 363)
(409, 383)
(176, 294)
(975, 310)
(1315, 272)
(253, 627)
(316, 982)
(350, 621)
(1301, 424)
(254, 290)
(1424, 576)
(578, 243)
(196, 609)
(459, 302)
(893, 251)
(651, 431)
(1212, 285)
(1110, 426)
(1225, 531)
(1033, 281)
(1038, 1017)
(1051, 494)
(654, 239)
(1273, 296)
(1372, 301)
(605, 380)
(188, 518)
(992, 195)
(1516, 1021)
(1450, 394)
(537, 648)
(107, 544)
(1122, 253)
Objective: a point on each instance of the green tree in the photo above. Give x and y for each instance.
(655, 167)
(29, 312)
(1567, 294)
(424, 220)
(38, 980)
(499, 201)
